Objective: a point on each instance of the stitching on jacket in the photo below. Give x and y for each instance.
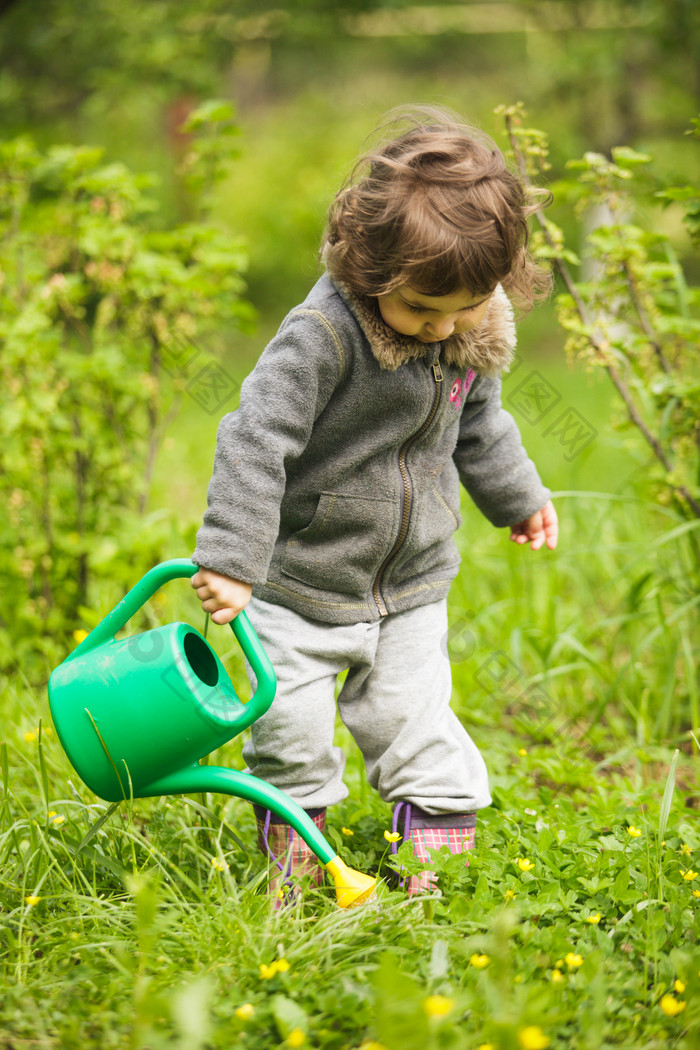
(329, 511)
(334, 335)
(301, 598)
(444, 504)
(316, 601)
(417, 590)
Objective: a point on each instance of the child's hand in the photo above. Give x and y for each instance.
(220, 595)
(541, 527)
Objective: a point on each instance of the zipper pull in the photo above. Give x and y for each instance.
(437, 372)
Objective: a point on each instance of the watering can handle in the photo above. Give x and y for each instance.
(241, 626)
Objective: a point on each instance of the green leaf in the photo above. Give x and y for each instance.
(400, 1018)
(190, 1008)
(620, 884)
(4, 767)
(288, 1015)
(668, 797)
(439, 960)
(626, 157)
(42, 768)
(211, 112)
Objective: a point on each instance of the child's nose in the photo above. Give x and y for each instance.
(442, 329)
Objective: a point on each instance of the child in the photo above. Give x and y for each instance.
(335, 491)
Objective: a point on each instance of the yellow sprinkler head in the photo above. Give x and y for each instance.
(351, 887)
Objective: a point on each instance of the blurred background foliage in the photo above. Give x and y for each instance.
(308, 80)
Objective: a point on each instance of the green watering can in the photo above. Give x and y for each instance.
(135, 716)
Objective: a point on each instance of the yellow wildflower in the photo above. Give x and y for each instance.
(509, 894)
(573, 961)
(57, 819)
(671, 1006)
(479, 961)
(696, 893)
(557, 976)
(522, 751)
(80, 635)
(31, 900)
(689, 875)
(275, 967)
(524, 864)
(245, 1012)
(532, 1038)
(31, 736)
(219, 865)
(296, 1037)
(559, 963)
(594, 919)
(486, 1046)
(679, 986)
(372, 1045)
(438, 1005)
(347, 831)
(633, 832)
(685, 849)
(392, 836)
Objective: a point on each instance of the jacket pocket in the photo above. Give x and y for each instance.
(429, 546)
(342, 547)
(453, 515)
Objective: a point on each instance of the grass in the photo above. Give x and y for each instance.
(146, 925)
(153, 933)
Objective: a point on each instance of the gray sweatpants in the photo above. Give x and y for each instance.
(394, 701)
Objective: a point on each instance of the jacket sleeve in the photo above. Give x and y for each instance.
(492, 463)
(280, 400)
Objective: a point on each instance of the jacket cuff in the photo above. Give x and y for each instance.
(223, 555)
(518, 509)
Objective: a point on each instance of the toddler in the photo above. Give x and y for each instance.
(335, 491)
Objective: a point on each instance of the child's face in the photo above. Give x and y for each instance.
(431, 318)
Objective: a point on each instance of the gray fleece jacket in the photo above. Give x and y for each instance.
(335, 488)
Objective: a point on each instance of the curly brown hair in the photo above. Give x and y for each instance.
(434, 206)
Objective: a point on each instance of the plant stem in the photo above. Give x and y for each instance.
(599, 345)
(644, 319)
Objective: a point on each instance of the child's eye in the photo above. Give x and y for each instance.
(414, 309)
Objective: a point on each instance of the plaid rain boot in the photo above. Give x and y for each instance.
(426, 832)
(276, 839)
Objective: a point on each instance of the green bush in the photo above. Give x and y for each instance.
(100, 311)
(634, 314)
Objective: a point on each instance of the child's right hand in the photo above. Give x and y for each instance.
(221, 595)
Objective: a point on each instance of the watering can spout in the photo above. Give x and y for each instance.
(351, 887)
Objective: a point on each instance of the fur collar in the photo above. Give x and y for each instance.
(488, 348)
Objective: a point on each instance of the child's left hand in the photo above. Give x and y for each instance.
(541, 527)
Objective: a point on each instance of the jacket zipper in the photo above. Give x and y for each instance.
(407, 491)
